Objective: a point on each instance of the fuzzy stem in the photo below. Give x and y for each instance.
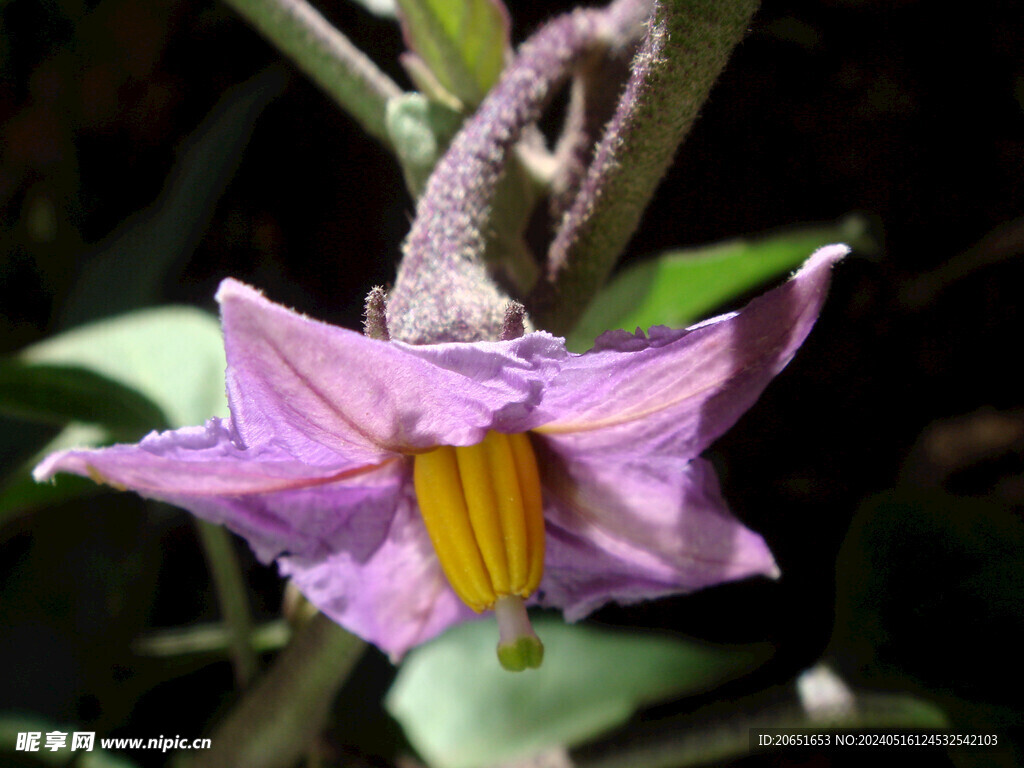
(596, 87)
(687, 46)
(327, 56)
(443, 291)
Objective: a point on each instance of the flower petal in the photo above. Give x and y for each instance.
(675, 392)
(275, 502)
(397, 598)
(310, 387)
(636, 530)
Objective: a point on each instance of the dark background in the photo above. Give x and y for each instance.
(892, 445)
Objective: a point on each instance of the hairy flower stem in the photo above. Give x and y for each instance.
(687, 46)
(593, 98)
(327, 56)
(443, 291)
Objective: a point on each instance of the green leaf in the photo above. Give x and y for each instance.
(171, 358)
(682, 287)
(463, 43)
(459, 708)
(58, 394)
(420, 130)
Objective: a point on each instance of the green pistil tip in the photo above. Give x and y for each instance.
(518, 648)
(525, 652)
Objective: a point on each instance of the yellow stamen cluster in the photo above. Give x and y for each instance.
(482, 508)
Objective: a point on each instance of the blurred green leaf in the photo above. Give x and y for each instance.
(459, 708)
(420, 130)
(463, 43)
(680, 287)
(427, 84)
(126, 269)
(171, 358)
(58, 394)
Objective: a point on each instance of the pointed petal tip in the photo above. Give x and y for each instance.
(771, 569)
(827, 254)
(230, 288)
(69, 461)
(72, 461)
(751, 556)
(47, 468)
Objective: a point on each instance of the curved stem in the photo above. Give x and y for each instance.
(687, 45)
(327, 56)
(443, 291)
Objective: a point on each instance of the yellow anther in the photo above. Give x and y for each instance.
(533, 506)
(478, 485)
(443, 505)
(482, 508)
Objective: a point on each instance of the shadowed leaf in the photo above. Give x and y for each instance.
(166, 364)
(591, 680)
(58, 394)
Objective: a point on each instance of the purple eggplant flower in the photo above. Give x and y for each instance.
(315, 467)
